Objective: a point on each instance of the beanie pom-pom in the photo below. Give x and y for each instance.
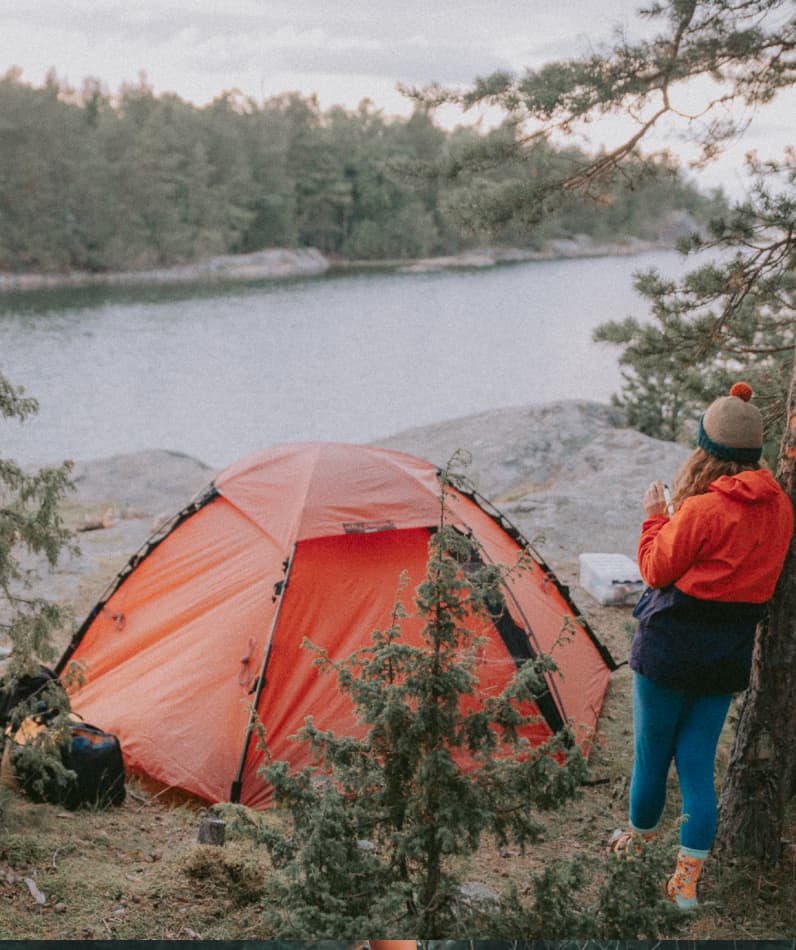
(742, 391)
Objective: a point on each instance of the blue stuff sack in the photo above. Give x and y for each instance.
(96, 759)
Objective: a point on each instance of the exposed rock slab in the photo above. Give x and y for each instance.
(569, 474)
(134, 494)
(154, 482)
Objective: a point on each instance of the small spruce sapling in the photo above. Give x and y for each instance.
(377, 826)
(31, 527)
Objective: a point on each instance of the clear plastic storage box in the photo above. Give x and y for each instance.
(611, 578)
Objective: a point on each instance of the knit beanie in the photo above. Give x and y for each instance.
(732, 428)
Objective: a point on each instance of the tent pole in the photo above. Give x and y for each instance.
(235, 790)
(554, 693)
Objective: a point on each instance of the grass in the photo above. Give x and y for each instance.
(131, 873)
(137, 871)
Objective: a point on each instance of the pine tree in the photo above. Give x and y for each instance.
(730, 317)
(376, 829)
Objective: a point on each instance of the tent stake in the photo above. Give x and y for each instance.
(237, 785)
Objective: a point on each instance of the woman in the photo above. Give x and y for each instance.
(710, 568)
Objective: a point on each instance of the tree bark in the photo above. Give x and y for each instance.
(762, 769)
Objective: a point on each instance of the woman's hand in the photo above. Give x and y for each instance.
(655, 500)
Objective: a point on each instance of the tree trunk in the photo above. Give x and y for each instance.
(760, 778)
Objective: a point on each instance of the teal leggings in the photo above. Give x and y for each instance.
(670, 724)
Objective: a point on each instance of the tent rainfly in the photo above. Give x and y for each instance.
(204, 626)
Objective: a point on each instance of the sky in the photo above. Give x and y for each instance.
(343, 51)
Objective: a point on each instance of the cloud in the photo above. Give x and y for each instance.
(201, 48)
(316, 52)
(450, 40)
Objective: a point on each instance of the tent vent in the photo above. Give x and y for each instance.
(366, 527)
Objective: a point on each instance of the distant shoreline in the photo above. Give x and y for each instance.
(287, 263)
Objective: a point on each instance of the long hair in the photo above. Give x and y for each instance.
(700, 469)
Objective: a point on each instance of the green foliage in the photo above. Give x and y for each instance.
(380, 825)
(97, 182)
(627, 901)
(699, 342)
(37, 764)
(744, 46)
(31, 531)
(730, 318)
(31, 526)
(24, 848)
(630, 899)
(503, 186)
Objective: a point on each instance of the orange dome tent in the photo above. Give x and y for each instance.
(308, 540)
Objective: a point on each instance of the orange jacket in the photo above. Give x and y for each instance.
(728, 544)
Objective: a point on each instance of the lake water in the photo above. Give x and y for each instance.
(218, 371)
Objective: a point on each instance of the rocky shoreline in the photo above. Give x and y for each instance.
(273, 264)
(285, 263)
(562, 249)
